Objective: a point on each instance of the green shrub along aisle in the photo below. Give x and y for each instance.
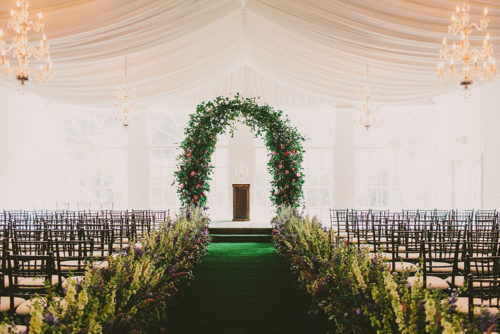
(353, 292)
(241, 288)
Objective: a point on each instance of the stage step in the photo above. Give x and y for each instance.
(239, 230)
(236, 234)
(240, 237)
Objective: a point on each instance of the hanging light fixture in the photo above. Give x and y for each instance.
(368, 106)
(462, 61)
(20, 59)
(125, 105)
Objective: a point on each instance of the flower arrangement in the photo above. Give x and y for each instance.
(354, 292)
(133, 293)
(211, 119)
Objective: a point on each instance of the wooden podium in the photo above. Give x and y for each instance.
(241, 202)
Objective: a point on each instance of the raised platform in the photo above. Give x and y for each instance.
(239, 224)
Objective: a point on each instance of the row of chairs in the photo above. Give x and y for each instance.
(49, 249)
(129, 224)
(458, 250)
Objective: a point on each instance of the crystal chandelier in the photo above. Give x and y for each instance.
(29, 62)
(368, 106)
(462, 61)
(125, 105)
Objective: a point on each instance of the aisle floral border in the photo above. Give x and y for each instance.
(283, 141)
(134, 293)
(354, 292)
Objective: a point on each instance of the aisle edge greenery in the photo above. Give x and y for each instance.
(283, 141)
(355, 293)
(134, 292)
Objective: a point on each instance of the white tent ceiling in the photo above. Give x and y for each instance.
(281, 50)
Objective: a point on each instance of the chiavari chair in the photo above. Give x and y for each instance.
(406, 245)
(482, 286)
(30, 271)
(439, 261)
(72, 257)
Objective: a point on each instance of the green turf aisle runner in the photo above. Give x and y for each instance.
(241, 288)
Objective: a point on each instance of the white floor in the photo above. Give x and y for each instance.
(240, 224)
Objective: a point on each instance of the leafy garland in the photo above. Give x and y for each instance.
(211, 119)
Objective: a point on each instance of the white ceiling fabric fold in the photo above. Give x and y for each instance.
(305, 49)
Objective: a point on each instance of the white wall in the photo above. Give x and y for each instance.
(38, 168)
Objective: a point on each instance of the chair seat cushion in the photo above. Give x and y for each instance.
(433, 282)
(5, 303)
(440, 267)
(25, 308)
(35, 282)
(72, 265)
(16, 329)
(410, 255)
(459, 281)
(463, 306)
(476, 266)
(100, 253)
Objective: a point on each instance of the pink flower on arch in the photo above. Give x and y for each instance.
(181, 186)
(193, 173)
(282, 146)
(286, 172)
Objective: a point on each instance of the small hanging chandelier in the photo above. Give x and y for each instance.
(30, 63)
(368, 106)
(461, 62)
(125, 105)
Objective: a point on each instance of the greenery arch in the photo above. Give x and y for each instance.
(283, 141)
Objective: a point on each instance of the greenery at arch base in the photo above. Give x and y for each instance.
(283, 141)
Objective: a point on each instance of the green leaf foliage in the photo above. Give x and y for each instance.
(214, 118)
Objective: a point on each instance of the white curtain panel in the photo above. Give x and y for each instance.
(277, 49)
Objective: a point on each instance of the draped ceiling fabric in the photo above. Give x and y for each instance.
(282, 50)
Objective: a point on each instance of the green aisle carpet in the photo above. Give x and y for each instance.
(241, 288)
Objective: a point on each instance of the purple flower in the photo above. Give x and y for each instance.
(50, 319)
(487, 321)
(452, 307)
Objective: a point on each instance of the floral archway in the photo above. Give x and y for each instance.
(283, 141)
